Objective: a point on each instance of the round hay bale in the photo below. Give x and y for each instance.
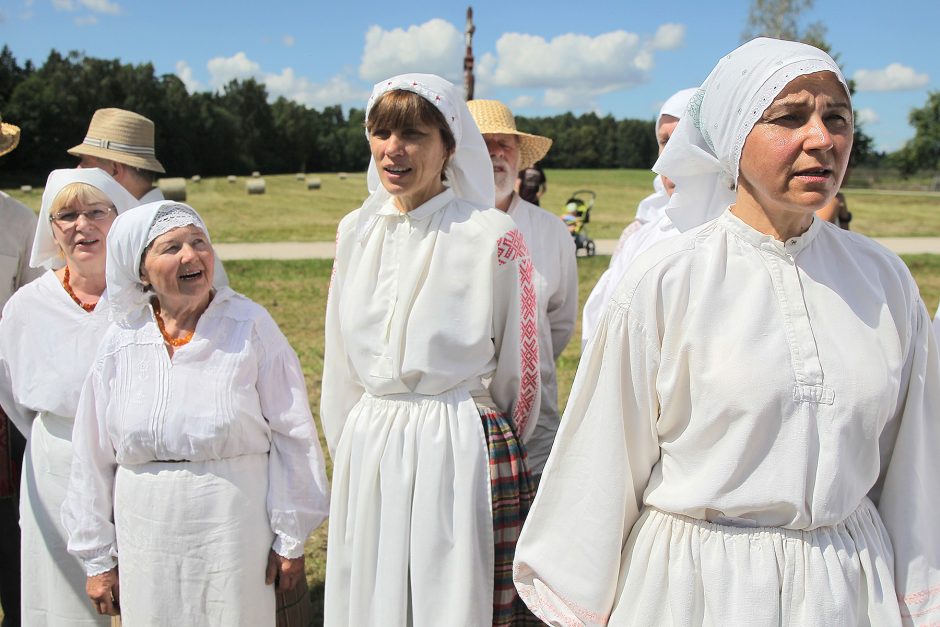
(300, 176)
(196, 178)
(255, 174)
(26, 188)
(173, 188)
(254, 186)
(231, 178)
(313, 182)
(342, 175)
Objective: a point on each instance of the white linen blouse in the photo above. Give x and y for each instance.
(236, 389)
(745, 381)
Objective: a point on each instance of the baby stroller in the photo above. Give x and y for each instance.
(577, 215)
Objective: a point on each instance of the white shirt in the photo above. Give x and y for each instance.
(16, 242)
(151, 196)
(556, 284)
(735, 378)
(429, 300)
(236, 389)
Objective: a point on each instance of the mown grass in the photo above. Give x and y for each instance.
(288, 211)
(295, 294)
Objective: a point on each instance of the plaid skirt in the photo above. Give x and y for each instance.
(512, 494)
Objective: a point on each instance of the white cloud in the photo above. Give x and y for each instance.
(669, 36)
(895, 77)
(522, 102)
(225, 69)
(102, 6)
(866, 116)
(86, 20)
(186, 75)
(64, 5)
(435, 47)
(288, 40)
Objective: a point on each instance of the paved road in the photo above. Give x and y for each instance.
(324, 250)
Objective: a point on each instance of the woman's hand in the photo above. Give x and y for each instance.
(284, 570)
(104, 590)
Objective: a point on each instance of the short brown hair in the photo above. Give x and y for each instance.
(399, 108)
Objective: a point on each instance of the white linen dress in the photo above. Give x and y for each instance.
(751, 440)
(47, 344)
(207, 461)
(427, 310)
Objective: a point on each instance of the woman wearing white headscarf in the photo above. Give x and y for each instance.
(650, 226)
(197, 468)
(430, 376)
(48, 334)
(751, 437)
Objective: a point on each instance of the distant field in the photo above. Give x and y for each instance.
(290, 212)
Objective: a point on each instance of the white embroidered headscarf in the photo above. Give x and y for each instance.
(469, 171)
(651, 207)
(45, 251)
(128, 238)
(703, 154)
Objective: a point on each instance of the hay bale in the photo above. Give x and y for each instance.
(342, 175)
(196, 178)
(254, 186)
(300, 176)
(313, 182)
(26, 188)
(255, 174)
(173, 188)
(231, 178)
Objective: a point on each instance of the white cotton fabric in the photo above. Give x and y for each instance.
(173, 216)
(423, 314)
(234, 391)
(702, 155)
(556, 283)
(16, 243)
(771, 420)
(45, 252)
(153, 195)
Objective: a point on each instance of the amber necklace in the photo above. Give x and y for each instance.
(175, 342)
(89, 307)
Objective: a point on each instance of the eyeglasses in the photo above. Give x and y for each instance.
(69, 218)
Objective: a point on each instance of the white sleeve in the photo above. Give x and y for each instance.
(298, 491)
(10, 338)
(908, 494)
(516, 384)
(563, 303)
(88, 511)
(568, 560)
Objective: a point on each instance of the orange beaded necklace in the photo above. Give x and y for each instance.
(89, 307)
(175, 342)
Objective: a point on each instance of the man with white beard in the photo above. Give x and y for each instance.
(553, 255)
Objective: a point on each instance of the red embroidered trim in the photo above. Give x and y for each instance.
(511, 247)
(536, 602)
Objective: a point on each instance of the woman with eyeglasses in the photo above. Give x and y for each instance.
(49, 331)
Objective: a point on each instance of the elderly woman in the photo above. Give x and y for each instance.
(430, 378)
(197, 469)
(751, 437)
(49, 331)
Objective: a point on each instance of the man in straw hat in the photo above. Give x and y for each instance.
(553, 255)
(16, 242)
(120, 142)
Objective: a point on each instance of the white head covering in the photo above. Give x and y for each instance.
(651, 207)
(45, 250)
(128, 238)
(469, 172)
(703, 154)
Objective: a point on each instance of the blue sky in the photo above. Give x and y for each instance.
(621, 57)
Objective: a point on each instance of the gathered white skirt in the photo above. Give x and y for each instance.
(53, 580)
(193, 540)
(411, 530)
(683, 571)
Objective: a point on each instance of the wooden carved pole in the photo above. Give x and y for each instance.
(468, 58)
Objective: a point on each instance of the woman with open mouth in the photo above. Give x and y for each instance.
(197, 473)
(49, 331)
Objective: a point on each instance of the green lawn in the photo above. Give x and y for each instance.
(291, 212)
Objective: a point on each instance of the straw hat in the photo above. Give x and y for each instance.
(492, 116)
(9, 137)
(122, 136)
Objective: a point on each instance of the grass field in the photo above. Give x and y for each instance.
(291, 212)
(295, 294)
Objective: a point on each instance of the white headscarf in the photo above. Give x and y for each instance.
(651, 207)
(703, 154)
(45, 249)
(128, 238)
(469, 172)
